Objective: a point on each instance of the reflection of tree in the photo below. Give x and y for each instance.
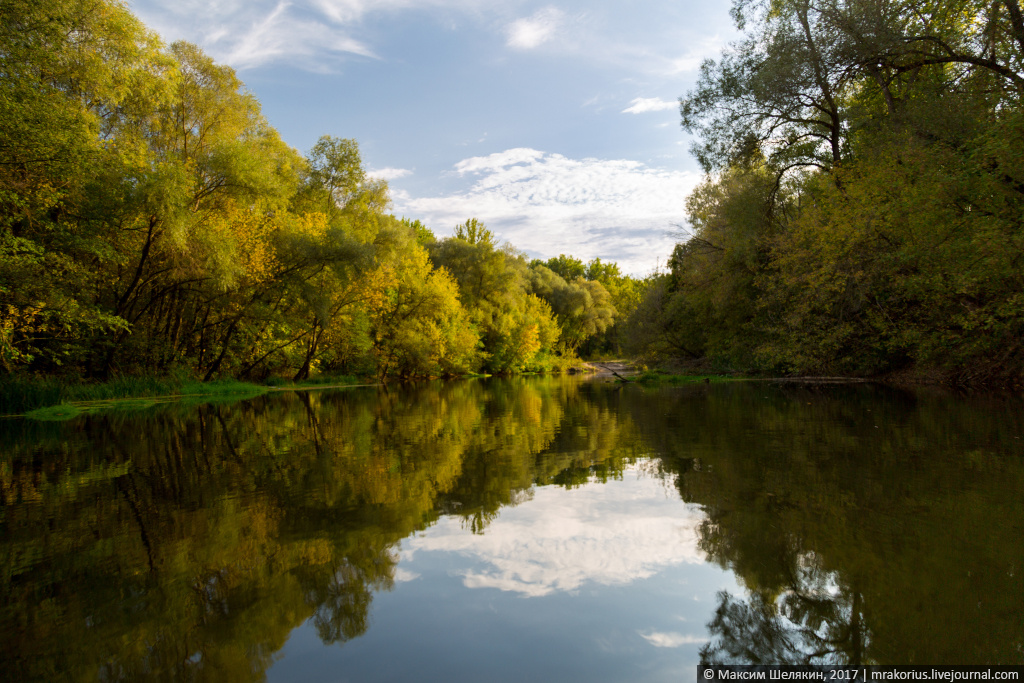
(342, 600)
(812, 622)
(537, 431)
(187, 544)
(209, 533)
(855, 542)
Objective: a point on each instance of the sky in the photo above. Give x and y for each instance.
(554, 123)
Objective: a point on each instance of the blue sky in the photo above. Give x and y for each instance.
(555, 123)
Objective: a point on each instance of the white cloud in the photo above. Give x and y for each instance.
(610, 534)
(530, 32)
(671, 639)
(641, 105)
(282, 36)
(316, 34)
(389, 173)
(249, 35)
(549, 204)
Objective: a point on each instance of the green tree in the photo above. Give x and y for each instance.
(515, 326)
(583, 307)
(778, 92)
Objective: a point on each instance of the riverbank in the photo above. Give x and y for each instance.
(630, 371)
(963, 379)
(46, 398)
(55, 399)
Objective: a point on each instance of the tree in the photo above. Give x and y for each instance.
(779, 92)
(567, 267)
(515, 326)
(583, 307)
(476, 233)
(74, 75)
(419, 326)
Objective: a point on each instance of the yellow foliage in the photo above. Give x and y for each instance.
(312, 223)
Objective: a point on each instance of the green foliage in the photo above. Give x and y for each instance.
(152, 221)
(420, 326)
(476, 233)
(866, 211)
(57, 413)
(583, 307)
(567, 267)
(514, 324)
(424, 235)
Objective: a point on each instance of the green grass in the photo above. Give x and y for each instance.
(58, 413)
(660, 377)
(53, 399)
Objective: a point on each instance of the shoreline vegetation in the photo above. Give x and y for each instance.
(861, 216)
(133, 246)
(48, 400)
(862, 212)
(133, 394)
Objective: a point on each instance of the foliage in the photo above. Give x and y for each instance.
(865, 211)
(152, 223)
(514, 324)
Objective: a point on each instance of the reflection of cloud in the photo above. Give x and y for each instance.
(611, 534)
(671, 639)
(549, 204)
(641, 105)
(403, 575)
(528, 33)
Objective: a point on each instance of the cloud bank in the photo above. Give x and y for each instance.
(549, 204)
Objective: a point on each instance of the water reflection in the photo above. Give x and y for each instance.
(866, 525)
(561, 540)
(189, 544)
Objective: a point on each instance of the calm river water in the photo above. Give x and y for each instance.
(541, 529)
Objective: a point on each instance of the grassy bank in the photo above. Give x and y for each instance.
(664, 377)
(56, 399)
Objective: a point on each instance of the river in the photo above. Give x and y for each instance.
(542, 529)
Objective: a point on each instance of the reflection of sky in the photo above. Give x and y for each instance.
(609, 535)
(617, 590)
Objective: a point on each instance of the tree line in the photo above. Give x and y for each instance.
(153, 222)
(863, 208)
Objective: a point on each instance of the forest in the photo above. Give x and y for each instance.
(861, 214)
(154, 223)
(863, 208)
